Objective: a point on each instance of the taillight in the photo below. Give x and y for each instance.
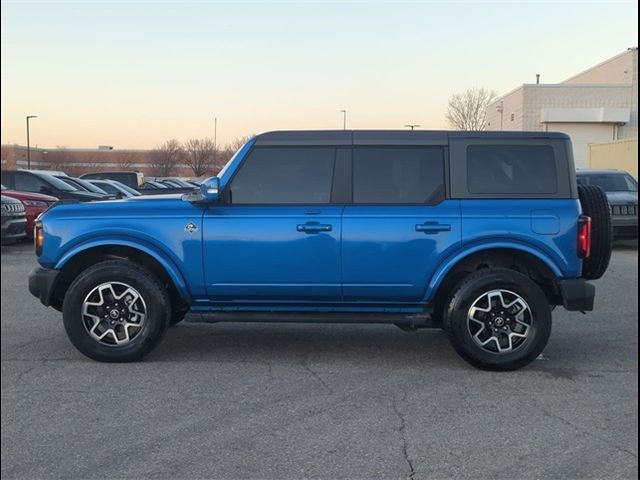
(584, 236)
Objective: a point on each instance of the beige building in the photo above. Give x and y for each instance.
(596, 106)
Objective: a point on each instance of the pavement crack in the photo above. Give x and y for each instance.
(402, 430)
(316, 375)
(586, 432)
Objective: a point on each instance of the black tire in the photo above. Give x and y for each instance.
(595, 204)
(472, 288)
(154, 295)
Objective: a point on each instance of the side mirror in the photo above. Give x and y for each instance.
(210, 189)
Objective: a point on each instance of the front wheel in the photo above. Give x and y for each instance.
(498, 319)
(116, 311)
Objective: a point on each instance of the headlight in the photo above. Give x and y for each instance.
(35, 203)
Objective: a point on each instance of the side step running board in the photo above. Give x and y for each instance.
(404, 321)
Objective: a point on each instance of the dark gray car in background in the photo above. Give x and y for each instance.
(622, 192)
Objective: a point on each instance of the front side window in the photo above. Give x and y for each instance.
(291, 175)
(511, 169)
(398, 175)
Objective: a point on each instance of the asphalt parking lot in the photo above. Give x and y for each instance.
(286, 401)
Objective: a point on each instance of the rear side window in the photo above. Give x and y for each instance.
(398, 175)
(511, 169)
(284, 176)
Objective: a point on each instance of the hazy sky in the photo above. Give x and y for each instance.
(133, 74)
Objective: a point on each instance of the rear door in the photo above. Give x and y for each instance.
(400, 223)
(276, 238)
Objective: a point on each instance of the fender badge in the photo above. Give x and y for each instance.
(191, 227)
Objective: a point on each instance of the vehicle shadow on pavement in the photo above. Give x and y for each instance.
(277, 342)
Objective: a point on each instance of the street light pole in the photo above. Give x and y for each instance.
(344, 119)
(28, 143)
(412, 126)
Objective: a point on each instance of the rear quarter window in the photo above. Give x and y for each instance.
(511, 169)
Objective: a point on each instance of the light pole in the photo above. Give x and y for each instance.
(28, 144)
(344, 119)
(412, 126)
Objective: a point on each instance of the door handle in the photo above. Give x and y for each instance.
(433, 227)
(314, 227)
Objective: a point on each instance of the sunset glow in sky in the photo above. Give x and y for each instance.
(134, 74)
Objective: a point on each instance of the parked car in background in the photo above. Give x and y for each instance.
(153, 185)
(34, 205)
(130, 179)
(173, 182)
(622, 192)
(14, 220)
(116, 188)
(45, 183)
(82, 184)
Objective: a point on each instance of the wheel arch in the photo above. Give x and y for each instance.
(524, 259)
(85, 255)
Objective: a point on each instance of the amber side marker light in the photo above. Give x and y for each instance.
(38, 237)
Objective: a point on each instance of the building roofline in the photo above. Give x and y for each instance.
(626, 52)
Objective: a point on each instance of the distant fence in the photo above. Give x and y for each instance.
(621, 154)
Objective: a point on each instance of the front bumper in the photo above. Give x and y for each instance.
(577, 294)
(13, 228)
(42, 282)
(625, 226)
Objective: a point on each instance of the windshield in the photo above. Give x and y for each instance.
(611, 182)
(89, 186)
(126, 188)
(59, 184)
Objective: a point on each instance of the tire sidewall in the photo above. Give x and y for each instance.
(464, 298)
(156, 320)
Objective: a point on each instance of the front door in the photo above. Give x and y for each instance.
(276, 236)
(399, 226)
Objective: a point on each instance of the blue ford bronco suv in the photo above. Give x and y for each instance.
(479, 233)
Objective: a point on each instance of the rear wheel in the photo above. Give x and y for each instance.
(498, 319)
(595, 204)
(116, 311)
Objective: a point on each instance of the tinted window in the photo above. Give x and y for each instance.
(398, 175)
(511, 169)
(30, 183)
(108, 188)
(284, 175)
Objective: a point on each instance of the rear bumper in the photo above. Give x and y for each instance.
(577, 294)
(42, 281)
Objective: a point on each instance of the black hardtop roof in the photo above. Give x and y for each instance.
(388, 137)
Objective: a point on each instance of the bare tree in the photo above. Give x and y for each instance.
(467, 110)
(229, 150)
(199, 155)
(166, 157)
(125, 160)
(58, 159)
